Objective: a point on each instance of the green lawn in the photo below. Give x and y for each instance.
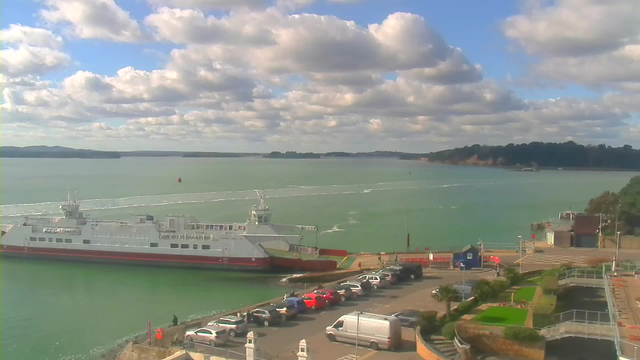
(525, 293)
(503, 316)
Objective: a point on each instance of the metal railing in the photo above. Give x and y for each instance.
(581, 277)
(625, 349)
(584, 316)
(225, 352)
(460, 344)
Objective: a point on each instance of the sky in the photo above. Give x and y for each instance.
(318, 75)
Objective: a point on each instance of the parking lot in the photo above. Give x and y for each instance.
(282, 341)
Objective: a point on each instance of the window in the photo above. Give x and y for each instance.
(50, 239)
(59, 240)
(174, 246)
(153, 245)
(33, 238)
(338, 324)
(206, 247)
(470, 256)
(41, 239)
(195, 247)
(86, 242)
(184, 246)
(68, 241)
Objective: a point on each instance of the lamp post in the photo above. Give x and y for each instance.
(617, 249)
(357, 331)
(520, 238)
(462, 268)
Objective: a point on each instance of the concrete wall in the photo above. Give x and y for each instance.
(143, 352)
(626, 242)
(424, 350)
(489, 339)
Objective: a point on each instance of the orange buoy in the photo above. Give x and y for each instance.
(159, 334)
(179, 180)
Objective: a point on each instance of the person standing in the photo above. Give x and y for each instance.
(175, 320)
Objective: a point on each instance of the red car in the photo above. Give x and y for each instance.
(330, 295)
(314, 301)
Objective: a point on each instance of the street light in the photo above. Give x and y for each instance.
(357, 331)
(617, 248)
(520, 237)
(462, 267)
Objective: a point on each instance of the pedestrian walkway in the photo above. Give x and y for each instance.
(543, 259)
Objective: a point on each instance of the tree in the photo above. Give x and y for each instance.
(512, 275)
(605, 203)
(483, 290)
(630, 203)
(447, 294)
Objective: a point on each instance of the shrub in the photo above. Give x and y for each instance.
(499, 286)
(593, 262)
(429, 322)
(483, 290)
(549, 284)
(449, 330)
(522, 334)
(542, 320)
(546, 304)
(512, 275)
(464, 307)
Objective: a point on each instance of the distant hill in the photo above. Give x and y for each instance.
(538, 154)
(291, 155)
(218, 154)
(55, 152)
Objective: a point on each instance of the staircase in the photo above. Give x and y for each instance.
(446, 347)
(600, 331)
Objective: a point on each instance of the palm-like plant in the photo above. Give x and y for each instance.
(447, 294)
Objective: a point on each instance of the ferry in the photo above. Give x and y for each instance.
(178, 240)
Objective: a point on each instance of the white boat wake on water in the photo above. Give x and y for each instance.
(335, 228)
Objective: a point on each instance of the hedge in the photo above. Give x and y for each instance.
(545, 305)
(549, 284)
(522, 334)
(449, 330)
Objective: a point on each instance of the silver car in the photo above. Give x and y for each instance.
(355, 287)
(212, 335)
(233, 324)
(377, 281)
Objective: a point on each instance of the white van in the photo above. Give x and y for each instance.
(375, 331)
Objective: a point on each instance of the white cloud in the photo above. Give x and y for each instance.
(31, 60)
(18, 34)
(210, 4)
(576, 27)
(93, 19)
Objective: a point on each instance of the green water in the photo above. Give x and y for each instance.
(53, 310)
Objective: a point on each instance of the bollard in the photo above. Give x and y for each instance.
(251, 346)
(303, 350)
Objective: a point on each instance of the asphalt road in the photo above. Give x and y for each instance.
(282, 341)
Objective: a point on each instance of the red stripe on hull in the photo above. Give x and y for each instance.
(137, 258)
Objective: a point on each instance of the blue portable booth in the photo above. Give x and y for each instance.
(469, 256)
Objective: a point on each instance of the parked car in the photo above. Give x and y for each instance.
(355, 287)
(366, 285)
(391, 277)
(314, 301)
(233, 324)
(345, 292)
(212, 335)
(377, 281)
(331, 296)
(373, 330)
(265, 315)
(288, 310)
(409, 317)
(402, 276)
(299, 303)
(412, 271)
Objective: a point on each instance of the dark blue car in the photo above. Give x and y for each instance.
(300, 306)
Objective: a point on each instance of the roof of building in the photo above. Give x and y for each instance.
(586, 224)
(468, 247)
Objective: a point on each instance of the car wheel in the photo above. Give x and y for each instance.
(313, 307)
(374, 345)
(331, 337)
(232, 333)
(413, 276)
(189, 339)
(343, 298)
(375, 286)
(412, 324)
(212, 343)
(265, 323)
